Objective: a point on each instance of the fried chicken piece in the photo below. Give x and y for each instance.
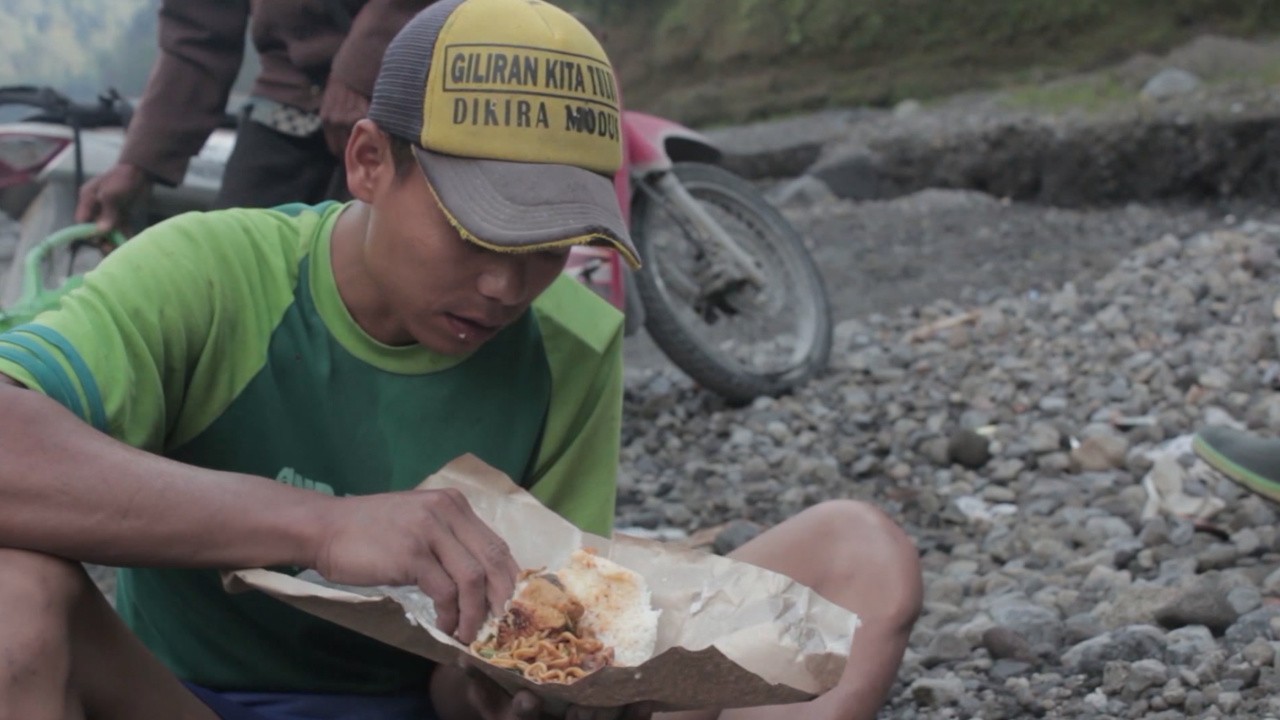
(541, 608)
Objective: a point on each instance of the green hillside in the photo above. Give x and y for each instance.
(734, 60)
(81, 47)
(78, 45)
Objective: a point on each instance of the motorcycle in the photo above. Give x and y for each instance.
(728, 292)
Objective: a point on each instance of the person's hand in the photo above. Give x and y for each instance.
(487, 700)
(340, 109)
(428, 538)
(105, 200)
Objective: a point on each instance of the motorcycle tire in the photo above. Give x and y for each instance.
(682, 325)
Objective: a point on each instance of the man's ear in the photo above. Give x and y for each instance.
(370, 165)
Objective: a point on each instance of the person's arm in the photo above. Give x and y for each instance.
(358, 59)
(201, 49)
(355, 66)
(161, 327)
(68, 490)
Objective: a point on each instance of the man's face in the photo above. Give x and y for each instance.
(446, 293)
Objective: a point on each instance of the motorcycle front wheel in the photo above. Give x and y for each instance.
(743, 321)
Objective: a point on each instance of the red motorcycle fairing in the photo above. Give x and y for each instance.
(654, 144)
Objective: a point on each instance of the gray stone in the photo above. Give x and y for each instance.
(1258, 652)
(945, 590)
(1005, 668)
(1108, 527)
(1002, 643)
(1217, 557)
(1228, 702)
(937, 692)
(852, 172)
(1033, 622)
(1195, 702)
(1054, 462)
(1154, 532)
(1081, 627)
(1204, 604)
(1044, 438)
(1244, 599)
(1186, 645)
(1253, 625)
(1115, 675)
(937, 451)
(736, 534)
(1100, 453)
(1144, 674)
(1271, 585)
(1240, 676)
(1053, 404)
(966, 447)
(1247, 542)
(1129, 644)
(946, 647)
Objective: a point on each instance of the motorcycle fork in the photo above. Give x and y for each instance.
(697, 224)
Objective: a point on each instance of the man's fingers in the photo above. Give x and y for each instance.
(435, 582)
(87, 202)
(108, 217)
(525, 705)
(469, 580)
(489, 549)
(485, 696)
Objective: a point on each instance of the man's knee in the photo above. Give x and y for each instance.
(864, 541)
(38, 594)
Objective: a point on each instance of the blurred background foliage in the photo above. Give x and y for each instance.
(728, 60)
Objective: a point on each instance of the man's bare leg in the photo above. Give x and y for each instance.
(854, 555)
(66, 655)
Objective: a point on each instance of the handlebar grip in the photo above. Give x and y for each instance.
(32, 284)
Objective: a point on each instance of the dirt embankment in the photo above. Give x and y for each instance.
(1183, 127)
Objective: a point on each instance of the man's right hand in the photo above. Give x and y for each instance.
(105, 200)
(428, 538)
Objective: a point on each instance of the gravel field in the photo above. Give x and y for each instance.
(1013, 447)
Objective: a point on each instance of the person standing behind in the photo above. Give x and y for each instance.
(319, 61)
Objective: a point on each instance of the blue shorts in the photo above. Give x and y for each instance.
(308, 706)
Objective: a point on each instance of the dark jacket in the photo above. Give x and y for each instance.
(300, 43)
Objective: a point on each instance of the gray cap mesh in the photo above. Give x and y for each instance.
(402, 82)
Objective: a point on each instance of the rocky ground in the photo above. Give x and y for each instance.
(1014, 383)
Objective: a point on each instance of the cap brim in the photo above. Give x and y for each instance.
(522, 207)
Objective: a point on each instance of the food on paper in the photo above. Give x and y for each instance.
(562, 626)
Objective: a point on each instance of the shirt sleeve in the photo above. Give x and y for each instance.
(164, 326)
(358, 59)
(201, 49)
(577, 468)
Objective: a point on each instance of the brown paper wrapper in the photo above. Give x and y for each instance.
(730, 634)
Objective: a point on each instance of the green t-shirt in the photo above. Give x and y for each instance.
(219, 339)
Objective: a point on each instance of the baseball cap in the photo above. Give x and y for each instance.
(513, 112)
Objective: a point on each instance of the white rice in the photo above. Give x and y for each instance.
(619, 609)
